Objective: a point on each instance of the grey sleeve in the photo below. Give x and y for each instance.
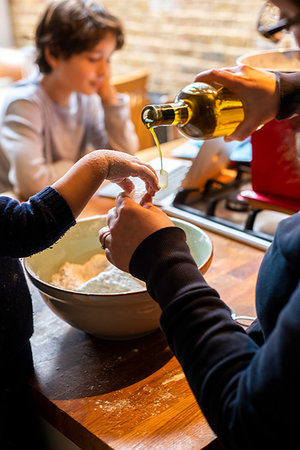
(22, 142)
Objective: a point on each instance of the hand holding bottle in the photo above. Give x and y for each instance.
(257, 89)
(199, 111)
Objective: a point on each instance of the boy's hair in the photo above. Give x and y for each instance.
(70, 27)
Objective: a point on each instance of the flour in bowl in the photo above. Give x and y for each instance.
(112, 280)
(71, 275)
(97, 275)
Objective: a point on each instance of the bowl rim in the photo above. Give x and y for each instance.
(86, 295)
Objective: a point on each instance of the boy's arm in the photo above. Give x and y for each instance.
(119, 127)
(22, 142)
(111, 125)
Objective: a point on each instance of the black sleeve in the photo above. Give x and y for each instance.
(246, 392)
(289, 89)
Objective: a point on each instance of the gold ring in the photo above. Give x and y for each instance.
(102, 241)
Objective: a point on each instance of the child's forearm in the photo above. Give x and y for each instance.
(80, 183)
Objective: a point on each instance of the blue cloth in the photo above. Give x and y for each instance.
(248, 393)
(25, 229)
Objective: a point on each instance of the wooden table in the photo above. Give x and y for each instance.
(130, 394)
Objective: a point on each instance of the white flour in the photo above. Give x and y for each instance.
(112, 280)
(97, 275)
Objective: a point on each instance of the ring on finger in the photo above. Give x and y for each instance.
(103, 238)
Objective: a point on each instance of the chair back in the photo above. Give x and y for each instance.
(12, 63)
(135, 85)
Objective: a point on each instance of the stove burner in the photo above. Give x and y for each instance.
(218, 205)
(234, 204)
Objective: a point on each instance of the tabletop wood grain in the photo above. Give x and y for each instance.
(130, 394)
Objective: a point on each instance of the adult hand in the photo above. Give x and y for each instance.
(128, 225)
(257, 89)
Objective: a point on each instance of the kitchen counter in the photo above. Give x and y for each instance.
(130, 394)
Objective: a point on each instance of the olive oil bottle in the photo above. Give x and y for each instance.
(199, 111)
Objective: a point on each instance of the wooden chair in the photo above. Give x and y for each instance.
(135, 85)
(12, 68)
(12, 63)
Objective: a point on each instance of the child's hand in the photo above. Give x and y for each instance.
(108, 92)
(81, 182)
(120, 166)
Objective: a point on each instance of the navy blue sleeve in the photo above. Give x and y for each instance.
(29, 227)
(246, 392)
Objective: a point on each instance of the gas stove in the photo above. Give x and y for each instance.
(218, 208)
(215, 205)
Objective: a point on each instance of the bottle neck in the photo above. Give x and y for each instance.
(169, 114)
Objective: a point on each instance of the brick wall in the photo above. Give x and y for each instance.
(174, 39)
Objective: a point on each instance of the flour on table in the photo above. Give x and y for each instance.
(97, 275)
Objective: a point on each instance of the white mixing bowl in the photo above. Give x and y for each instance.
(110, 316)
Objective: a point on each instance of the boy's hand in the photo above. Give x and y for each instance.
(108, 92)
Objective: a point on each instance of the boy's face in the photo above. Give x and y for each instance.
(84, 72)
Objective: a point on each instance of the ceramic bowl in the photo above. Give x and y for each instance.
(281, 60)
(109, 316)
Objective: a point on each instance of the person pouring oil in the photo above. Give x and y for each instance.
(246, 384)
